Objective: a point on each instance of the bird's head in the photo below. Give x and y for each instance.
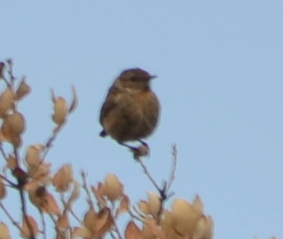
(135, 79)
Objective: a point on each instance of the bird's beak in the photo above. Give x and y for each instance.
(153, 77)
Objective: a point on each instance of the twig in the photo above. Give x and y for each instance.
(90, 202)
(22, 197)
(11, 184)
(47, 148)
(71, 236)
(3, 152)
(50, 141)
(16, 154)
(10, 72)
(3, 76)
(163, 192)
(10, 217)
(148, 175)
(52, 219)
(68, 208)
(75, 216)
(134, 216)
(174, 166)
(167, 185)
(24, 212)
(112, 235)
(6, 81)
(116, 229)
(55, 223)
(163, 198)
(43, 224)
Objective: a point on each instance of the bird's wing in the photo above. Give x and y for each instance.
(110, 102)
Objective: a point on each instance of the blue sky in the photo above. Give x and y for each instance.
(220, 84)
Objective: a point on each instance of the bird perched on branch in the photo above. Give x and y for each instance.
(131, 110)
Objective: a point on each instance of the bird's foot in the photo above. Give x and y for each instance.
(143, 143)
(126, 145)
(142, 150)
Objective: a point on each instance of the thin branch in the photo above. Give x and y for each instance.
(161, 208)
(24, 212)
(89, 199)
(3, 152)
(68, 208)
(133, 216)
(16, 154)
(75, 216)
(173, 170)
(11, 73)
(50, 141)
(3, 75)
(47, 147)
(163, 191)
(11, 184)
(22, 197)
(6, 81)
(70, 232)
(52, 219)
(112, 235)
(43, 225)
(10, 217)
(167, 185)
(148, 175)
(116, 229)
(55, 223)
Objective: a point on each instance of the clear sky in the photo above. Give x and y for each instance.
(220, 83)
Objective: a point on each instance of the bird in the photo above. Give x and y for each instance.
(131, 109)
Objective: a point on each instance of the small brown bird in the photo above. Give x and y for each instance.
(131, 110)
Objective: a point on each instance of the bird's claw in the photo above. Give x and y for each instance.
(142, 150)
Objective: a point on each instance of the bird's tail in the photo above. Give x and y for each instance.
(103, 133)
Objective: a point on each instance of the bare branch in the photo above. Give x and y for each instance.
(50, 141)
(148, 175)
(3, 152)
(24, 212)
(43, 225)
(75, 216)
(89, 199)
(11, 73)
(116, 229)
(10, 217)
(173, 170)
(11, 184)
(140, 217)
